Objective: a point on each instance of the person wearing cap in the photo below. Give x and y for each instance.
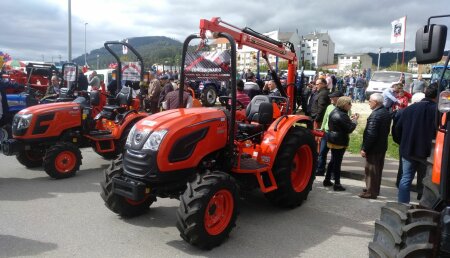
(322, 159)
(168, 87)
(374, 145)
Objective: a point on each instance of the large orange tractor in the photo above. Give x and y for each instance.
(51, 135)
(204, 156)
(423, 230)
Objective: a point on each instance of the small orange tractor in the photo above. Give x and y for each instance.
(51, 135)
(204, 156)
(423, 230)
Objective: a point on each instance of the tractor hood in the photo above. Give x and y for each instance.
(179, 118)
(52, 107)
(178, 138)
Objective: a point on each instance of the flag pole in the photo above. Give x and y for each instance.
(404, 43)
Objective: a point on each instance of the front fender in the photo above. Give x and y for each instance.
(275, 134)
(129, 120)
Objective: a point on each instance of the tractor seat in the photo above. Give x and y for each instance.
(123, 100)
(259, 110)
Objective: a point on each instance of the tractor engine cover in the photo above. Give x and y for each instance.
(174, 140)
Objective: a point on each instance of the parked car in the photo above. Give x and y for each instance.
(382, 80)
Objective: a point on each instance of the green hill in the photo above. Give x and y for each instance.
(153, 49)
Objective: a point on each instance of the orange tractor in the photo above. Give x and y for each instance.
(204, 156)
(423, 230)
(51, 135)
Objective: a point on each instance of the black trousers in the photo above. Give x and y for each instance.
(334, 167)
(373, 170)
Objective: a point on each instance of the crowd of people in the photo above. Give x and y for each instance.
(395, 112)
(328, 101)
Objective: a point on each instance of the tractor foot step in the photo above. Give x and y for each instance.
(99, 132)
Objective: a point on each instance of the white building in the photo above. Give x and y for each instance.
(247, 56)
(353, 62)
(317, 48)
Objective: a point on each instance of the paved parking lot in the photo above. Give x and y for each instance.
(43, 217)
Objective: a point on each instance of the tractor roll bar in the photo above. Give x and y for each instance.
(231, 125)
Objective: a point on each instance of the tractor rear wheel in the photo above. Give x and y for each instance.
(30, 158)
(208, 209)
(404, 231)
(62, 160)
(294, 168)
(119, 204)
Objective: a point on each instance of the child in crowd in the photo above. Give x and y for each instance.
(403, 98)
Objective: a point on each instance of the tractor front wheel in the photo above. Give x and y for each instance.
(119, 204)
(208, 209)
(30, 158)
(62, 160)
(294, 168)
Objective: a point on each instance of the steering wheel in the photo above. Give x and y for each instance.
(224, 99)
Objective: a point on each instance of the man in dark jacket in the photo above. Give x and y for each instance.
(374, 146)
(320, 102)
(4, 107)
(416, 128)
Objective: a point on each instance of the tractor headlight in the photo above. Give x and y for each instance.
(154, 140)
(130, 136)
(24, 121)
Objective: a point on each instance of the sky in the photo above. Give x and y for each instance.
(38, 29)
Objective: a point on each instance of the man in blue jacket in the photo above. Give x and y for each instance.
(4, 107)
(416, 128)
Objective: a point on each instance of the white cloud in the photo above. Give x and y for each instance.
(35, 28)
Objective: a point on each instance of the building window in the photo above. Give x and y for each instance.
(314, 51)
(314, 44)
(312, 58)
(307, 54)
(303, 45)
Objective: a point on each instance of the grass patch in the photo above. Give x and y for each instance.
(357, 136)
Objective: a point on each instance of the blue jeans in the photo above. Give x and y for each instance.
(358, 94)
(409, 171)
(322, 159)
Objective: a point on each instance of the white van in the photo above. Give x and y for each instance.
(383, 80)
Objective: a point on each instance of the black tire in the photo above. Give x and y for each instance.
(119, 204)
(62, 160)
(107, 155)
(430, 194)
(209, 96)
(297, 142)
(192, 218)
(30, 158)
(405, 231)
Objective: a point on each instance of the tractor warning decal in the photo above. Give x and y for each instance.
(211, 65)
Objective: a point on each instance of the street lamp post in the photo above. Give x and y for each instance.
(98, 57)
(379, 53)
(85, 55)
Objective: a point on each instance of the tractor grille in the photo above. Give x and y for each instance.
(140, 164)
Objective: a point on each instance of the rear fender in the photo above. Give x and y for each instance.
(275, 134)
(438, 151)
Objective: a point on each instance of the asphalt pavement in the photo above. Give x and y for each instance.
(43, 217)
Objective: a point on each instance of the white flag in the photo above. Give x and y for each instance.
(125, 48)
(398, 30)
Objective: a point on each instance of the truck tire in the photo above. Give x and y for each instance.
(118, 204)
(405, 231)
(62, 160)
(294, 168)
(208, 209)
(30, 158)
(209, 96)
